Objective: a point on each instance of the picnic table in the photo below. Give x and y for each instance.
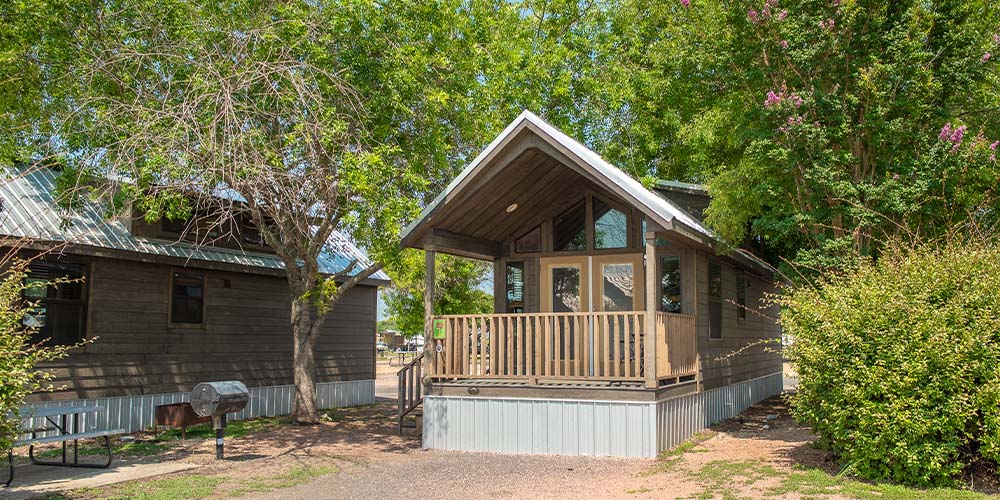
(66, 420)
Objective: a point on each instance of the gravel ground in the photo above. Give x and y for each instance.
(464, 476)
(385, 381)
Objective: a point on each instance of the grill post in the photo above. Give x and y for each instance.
(219, 424)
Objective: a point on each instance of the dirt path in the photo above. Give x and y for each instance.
(707, 468)
(762, 453)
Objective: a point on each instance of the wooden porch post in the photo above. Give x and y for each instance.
(430, 355)
(649, 360)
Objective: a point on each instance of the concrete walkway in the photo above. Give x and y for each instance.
(35, 480)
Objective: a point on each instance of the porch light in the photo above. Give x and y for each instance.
(511, 207)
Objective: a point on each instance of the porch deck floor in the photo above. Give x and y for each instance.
(562, 384)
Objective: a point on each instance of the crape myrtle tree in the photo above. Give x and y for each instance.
(821, 127)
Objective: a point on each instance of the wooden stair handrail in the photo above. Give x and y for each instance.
(410, 389)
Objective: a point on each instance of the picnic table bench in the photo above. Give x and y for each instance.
(66, 434)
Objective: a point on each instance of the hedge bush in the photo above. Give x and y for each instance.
(899, 362)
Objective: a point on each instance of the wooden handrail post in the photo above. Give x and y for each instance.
(430, 356)
(649, 360)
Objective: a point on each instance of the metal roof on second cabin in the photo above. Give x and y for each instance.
(29, 210)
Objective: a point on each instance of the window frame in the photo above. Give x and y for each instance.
(586, 226)
(170, 299)
(715, 301)
(506, 289)
(538, 249)
(83, 328)
(659, 282)
(741, 298)
(592, 223)
(590, 246)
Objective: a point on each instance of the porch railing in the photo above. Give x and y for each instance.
(602, 346)
(677, 346)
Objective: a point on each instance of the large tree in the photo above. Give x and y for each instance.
(818, 124)
(309, 118)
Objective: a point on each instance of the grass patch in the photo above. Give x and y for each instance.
(730, 480)
(350, 413)
(132, 449)
(293, 477)
(234, 429)
(667, 460)
(171, 488)
(817, 483)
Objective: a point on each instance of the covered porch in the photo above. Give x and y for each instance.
(556, 348)
(587, 267)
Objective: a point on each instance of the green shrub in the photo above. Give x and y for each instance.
(899, 362)
(19, 376)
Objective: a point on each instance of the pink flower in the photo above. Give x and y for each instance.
(753, 15)
(784, 44)
(772, 99)
(782, 15)
(945, 132)
(686, 3)
(895, 177)
(956, 137)
(996, 38)
(986, 57)
(993, 147)
(829, 24)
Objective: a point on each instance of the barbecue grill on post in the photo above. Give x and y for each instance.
(216, 399)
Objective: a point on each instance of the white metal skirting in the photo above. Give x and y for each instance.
(581, 427)
(679, 418)
(135, 413)
(540, 426)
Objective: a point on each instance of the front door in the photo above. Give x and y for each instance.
(592, 283)
(599, 283)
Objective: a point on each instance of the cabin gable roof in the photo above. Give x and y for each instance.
(529, 133)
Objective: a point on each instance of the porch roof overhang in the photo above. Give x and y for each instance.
(554, 163)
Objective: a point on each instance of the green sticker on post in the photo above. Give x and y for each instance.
(439, 329)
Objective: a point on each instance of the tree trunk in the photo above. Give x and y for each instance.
(304, 364)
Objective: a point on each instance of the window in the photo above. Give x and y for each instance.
(199, 228)
(714, 301)
(187, 298)
(570, 229)
(741, 298)
(515, 287)
(250, 235)
(530, 242)
(618, 287)
(59, 297)
(670, 284)
(173, 226)
(566, 289)
(610, 226)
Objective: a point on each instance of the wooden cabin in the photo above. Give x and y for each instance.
(619, 327)
(166, 313)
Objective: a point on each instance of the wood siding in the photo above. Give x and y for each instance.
(245, 336)
(730, 360)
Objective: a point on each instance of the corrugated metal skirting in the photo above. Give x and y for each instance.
(581, 427)
(135, 413)
(677, 419)
(540, 426)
